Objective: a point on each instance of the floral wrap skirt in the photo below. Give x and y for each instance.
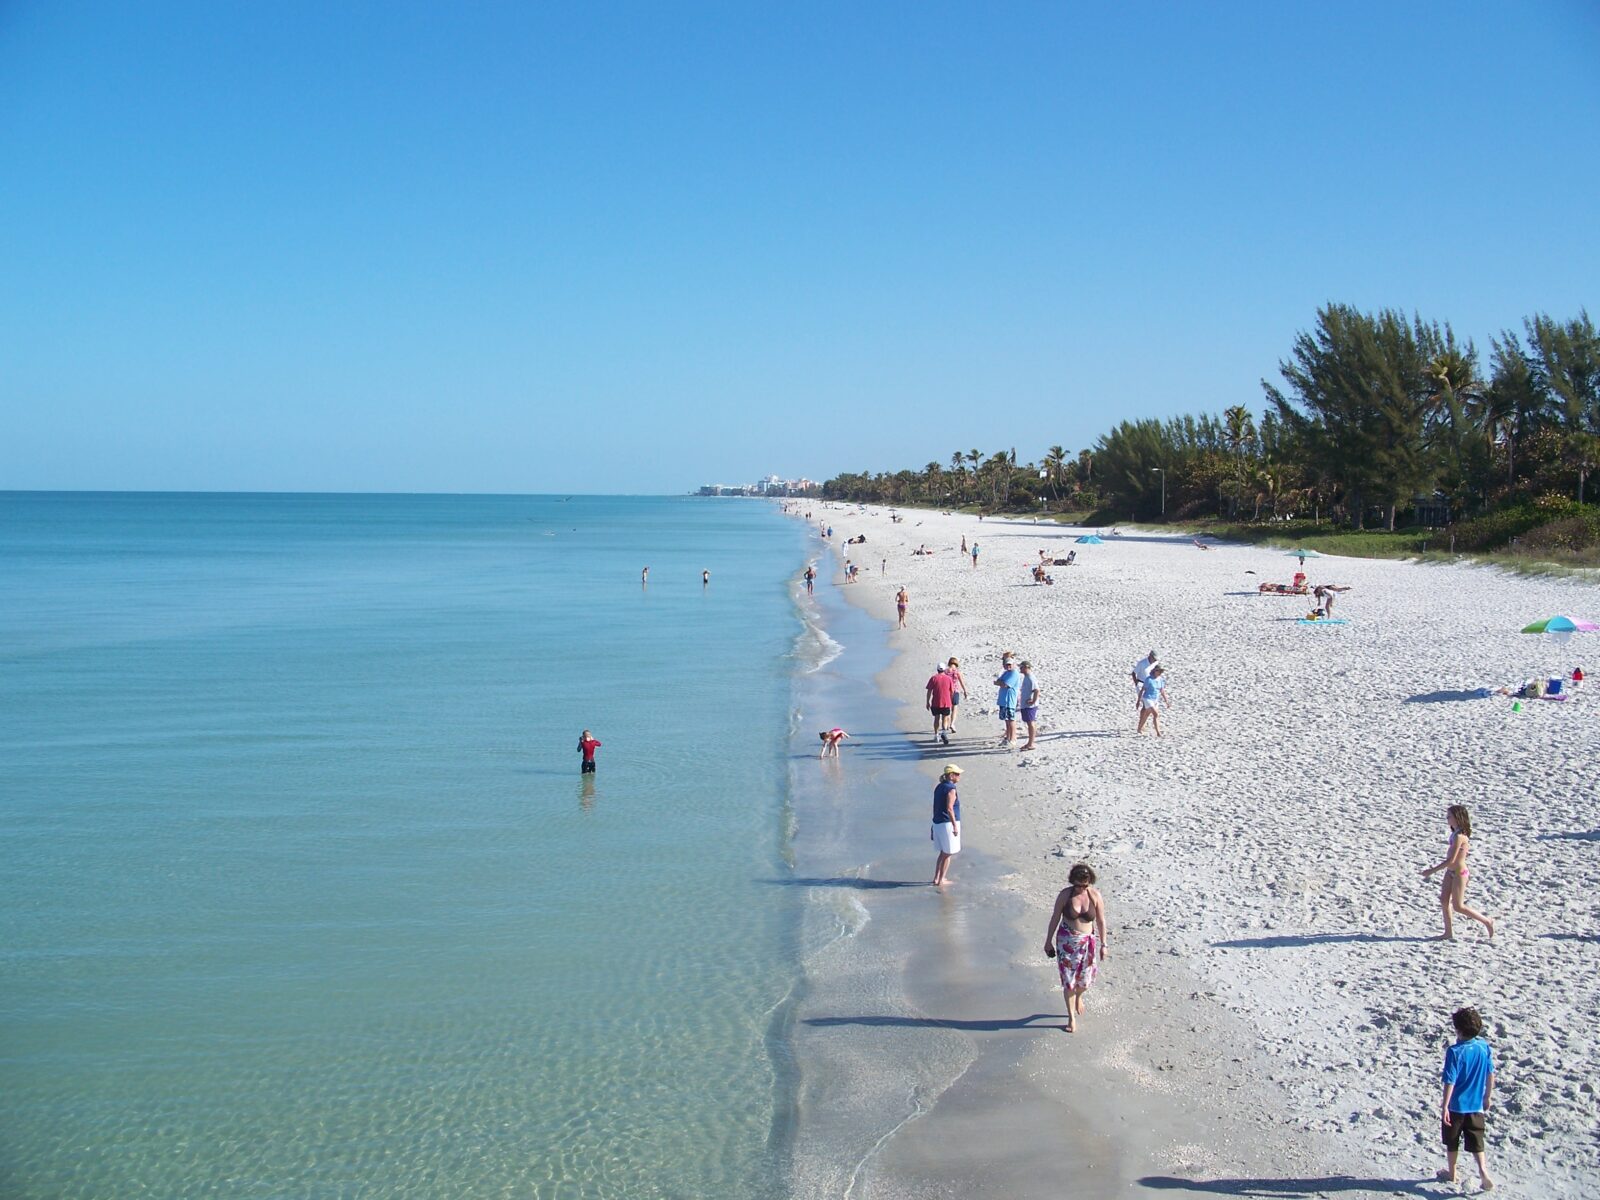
(1076, 955)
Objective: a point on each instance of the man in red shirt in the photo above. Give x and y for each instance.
(587, 745)
(940, 689)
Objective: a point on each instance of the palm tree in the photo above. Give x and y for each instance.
(1453, 390)
(1240, 432)
(932, 472)
(974, 457)
(1055, 462)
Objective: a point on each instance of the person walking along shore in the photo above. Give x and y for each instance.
(946, 832)
(1076, 938)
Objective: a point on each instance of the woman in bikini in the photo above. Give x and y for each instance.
(1076, 938)
(1452, 894)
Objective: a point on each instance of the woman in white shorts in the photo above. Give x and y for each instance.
(946, 832)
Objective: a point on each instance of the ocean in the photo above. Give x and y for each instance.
(303, 894)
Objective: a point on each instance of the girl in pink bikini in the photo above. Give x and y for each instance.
(1452, 894)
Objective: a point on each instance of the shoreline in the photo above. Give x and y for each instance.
(1160, 1021)
(970, 992)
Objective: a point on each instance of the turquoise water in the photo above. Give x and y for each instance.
(303, 895)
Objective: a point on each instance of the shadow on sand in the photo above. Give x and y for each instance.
(1590, 835)
(1289, 940)
(1329, 1184)
(1446, 697)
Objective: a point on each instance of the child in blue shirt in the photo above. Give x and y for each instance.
(1468, 1084)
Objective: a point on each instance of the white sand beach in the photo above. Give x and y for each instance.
(1270, 932)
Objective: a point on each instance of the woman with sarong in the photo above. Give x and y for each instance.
(1076, 938)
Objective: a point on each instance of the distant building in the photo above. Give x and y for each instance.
(772, 485)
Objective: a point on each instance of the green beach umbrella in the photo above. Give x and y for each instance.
(1302, 554)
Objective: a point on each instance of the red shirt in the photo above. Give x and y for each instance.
(588, 746)
(940, 688)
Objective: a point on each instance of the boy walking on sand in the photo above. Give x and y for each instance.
(1468, 1085)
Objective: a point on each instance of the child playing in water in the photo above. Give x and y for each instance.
(830, 742)
(1452, 893)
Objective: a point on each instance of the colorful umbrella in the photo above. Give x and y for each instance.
(1302, 553)
(1561, 625)
(1091, 539)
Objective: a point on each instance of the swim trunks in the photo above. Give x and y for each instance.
(588, 768)
(1031, 714)
(1007, 714)
(1466, 1127)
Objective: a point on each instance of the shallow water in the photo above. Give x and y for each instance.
(303, 895)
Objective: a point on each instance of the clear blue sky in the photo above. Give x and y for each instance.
(614, 247)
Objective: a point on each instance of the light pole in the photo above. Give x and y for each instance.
(1163, 474)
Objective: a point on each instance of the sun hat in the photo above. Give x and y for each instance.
(951, 769)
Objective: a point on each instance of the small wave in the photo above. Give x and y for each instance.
(814, 649)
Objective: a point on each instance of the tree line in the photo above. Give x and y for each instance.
(1376, 417)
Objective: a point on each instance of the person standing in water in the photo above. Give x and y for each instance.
(705, 578)
(946, 833)
(1453, 892)
(1076, 938)
(811, 579)
(644, 575)
(587, 745)
(901, 599)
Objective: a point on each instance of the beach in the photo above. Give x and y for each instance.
(1274, 1007)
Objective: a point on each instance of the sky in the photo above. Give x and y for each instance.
(607, 247)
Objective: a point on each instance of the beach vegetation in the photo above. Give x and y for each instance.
(1377, 423)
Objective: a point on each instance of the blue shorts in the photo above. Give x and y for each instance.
(1007, 714)
(1031, 713)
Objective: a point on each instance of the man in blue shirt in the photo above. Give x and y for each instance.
(1008, 681)
(1468, 1084)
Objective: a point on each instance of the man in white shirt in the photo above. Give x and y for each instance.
(1141, 672)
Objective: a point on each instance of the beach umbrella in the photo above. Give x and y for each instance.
(1560, 629)
(1302, 554)
(1091, 539)
(1559, 625)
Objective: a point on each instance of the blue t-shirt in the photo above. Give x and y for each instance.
(1152, 689)
(1468, 1065)
(1008, 688)
(946, 803)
